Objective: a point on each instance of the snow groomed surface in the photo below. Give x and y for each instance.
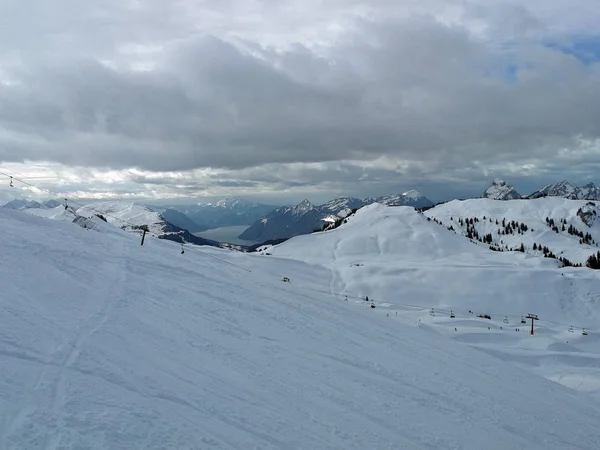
(106, 344)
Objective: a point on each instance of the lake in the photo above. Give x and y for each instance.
(226, 234)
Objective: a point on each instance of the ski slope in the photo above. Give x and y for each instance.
(106, 344)
(395, 255)
(408, 264)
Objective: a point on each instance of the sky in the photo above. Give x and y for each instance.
(194, 100)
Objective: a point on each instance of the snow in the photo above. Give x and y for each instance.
(57, 213)
(123, 214)
(568, 190)
(396, 256)
(533, 213)
(106, 344)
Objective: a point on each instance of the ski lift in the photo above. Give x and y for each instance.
(452, 316)
(571, 329)
(431, 313)
(584, 332)
(505, 319)
(523, 320)
(11, 182)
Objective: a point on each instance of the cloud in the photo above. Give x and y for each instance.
(269, 97)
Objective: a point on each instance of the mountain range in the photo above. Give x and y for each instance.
(21, 205)
(303, 218)
(231, 211)
(266, 222)
(500, 190)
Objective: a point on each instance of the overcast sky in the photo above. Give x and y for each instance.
(282, 100)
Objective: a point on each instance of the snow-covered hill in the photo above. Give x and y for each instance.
(305, 217)
(127, 215)
(557, 223)
(121, 346)
(406, 262)
(398, 255)
(500, 190)
(57, 213)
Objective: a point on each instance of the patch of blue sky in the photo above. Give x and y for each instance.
(585, 48)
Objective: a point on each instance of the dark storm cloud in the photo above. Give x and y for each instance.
(153, 86)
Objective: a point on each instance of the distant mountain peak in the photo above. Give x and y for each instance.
(304, 206)
(231, 202)
(568, 190)
(501, 190)
(413, 193)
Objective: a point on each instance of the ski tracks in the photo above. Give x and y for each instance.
(46, 409)
(337, 284)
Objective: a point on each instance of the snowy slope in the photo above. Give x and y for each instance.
(396, 255)
(119, 346)
(123, 214)
(404, 263)
(533, 214)
(57, 213)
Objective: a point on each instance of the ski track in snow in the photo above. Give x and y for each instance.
(53, 375)
(67, 355)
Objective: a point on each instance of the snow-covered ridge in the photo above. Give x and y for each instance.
(567, 190)
(128, 346)
(21, 205)
(126, 215)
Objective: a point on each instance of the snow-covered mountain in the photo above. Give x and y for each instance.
(231, 211)
(410, 198)
(22, 204)
(286, 221)
(121, 346)
(181, 220)
(305, 217)
(568, 190)
(500, 190)
(128, 216)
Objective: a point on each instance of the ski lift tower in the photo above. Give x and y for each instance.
(532, 317)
